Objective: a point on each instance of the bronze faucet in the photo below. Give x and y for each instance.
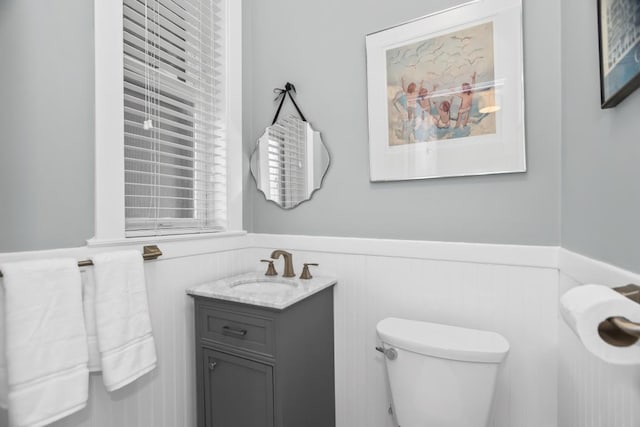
(288, 262)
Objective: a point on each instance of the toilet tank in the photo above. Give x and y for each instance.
(440, 375)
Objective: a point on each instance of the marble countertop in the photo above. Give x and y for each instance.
(257, 290)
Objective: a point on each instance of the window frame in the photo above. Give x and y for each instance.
(109, 123)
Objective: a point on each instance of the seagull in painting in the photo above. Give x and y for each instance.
(434, 58)
(401, 57)
(465, 39)
(437, 49)
(412, 64)
(409, 55)
(474, 60)
(410, 59)
(394, 58)
(422, 46)
(405, 54)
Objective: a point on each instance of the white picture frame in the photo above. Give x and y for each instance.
(446, 94)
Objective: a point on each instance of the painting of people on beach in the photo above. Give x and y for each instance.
(442, 88)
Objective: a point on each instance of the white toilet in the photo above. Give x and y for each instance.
(440, 375)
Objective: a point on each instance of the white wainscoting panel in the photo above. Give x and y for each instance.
(512, 290)
(593, 393)
(519, 302)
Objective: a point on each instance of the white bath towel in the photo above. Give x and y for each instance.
(89, 301)
(4, 382)
(127, 349)
(46, 342)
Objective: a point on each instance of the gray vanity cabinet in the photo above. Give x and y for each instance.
(263, 367)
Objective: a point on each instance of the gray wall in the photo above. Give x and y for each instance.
(46, 132)
(601, 151)
(46, 124)
(320, 47)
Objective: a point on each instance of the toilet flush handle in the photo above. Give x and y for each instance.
(391, 353)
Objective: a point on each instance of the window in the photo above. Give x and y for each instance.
(168, 147)
(174, 108)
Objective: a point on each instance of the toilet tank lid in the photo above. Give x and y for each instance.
(444, 341)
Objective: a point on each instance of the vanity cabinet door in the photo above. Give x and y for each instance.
(237, 392)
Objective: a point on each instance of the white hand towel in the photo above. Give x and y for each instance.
(46, 342)
(125, 340)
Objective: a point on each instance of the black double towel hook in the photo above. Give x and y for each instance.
(282, 95)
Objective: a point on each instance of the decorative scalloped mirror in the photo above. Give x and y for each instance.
(289, 162)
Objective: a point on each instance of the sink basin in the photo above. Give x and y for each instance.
(263, 286)
(264, 291)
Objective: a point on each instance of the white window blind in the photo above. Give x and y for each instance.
(175, 116)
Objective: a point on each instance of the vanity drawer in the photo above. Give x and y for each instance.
(241, 330)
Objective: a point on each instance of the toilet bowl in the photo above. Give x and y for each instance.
(440, 375)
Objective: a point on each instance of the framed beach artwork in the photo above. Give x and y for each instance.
(619, 31)
(446, 94)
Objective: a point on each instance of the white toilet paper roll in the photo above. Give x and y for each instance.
(584, 307)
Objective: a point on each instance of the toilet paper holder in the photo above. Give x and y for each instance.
(619, 331)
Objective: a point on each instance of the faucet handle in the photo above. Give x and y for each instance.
(271, 270)
(305, 270)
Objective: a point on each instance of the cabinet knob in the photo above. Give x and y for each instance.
(212, 366)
